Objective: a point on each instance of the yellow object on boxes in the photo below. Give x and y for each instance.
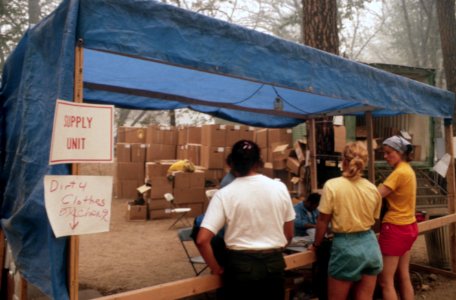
(182, 165)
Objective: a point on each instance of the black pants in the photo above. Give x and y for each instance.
(254, 275)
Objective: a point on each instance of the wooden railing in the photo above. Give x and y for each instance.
(206, 283)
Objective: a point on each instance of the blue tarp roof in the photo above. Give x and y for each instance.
(149, 55)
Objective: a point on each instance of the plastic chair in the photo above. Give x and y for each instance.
(184, 237)
(179, 212)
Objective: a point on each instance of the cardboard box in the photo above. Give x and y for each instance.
(194, 135)
(157, 169)
(160, 186)
(187, 195)
(158, 204)
(233, 134)
(136, 212)
(213, 157)
(261, 138)
(161, 135)
(192, 152)
(126, 188)
(293, 165)
(281, 152)
(340, 138)
(121, 135)
(138, 152)
(160, 151)
(213, 135)
(247, 133)
(130, 170)
(188, 180)
(123, 152)
(197, 179)
(280, 136)
(279, 164)
(300, 147)
(135, 134)
(182, 135)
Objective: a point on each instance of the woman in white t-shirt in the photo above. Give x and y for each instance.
(258, 215)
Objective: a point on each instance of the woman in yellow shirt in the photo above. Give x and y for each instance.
(351, 203)
(399, 229)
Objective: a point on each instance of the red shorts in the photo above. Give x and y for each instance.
(395, 240)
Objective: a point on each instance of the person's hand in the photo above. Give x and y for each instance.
(217, 271)
(312, 247)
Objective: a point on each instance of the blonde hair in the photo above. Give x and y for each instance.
(355, 159)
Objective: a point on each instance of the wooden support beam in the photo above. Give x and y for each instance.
(451, 188)
(428, 269)
(206, 283)
(370, 148)
(172, 290)
(298, 260)
(436, 223)
(312, 141)
(199, 284)
(73, 263)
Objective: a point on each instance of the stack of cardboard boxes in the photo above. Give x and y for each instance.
(131, 156)
(145, 155)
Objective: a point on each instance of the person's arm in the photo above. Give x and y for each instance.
(322, 226)
(288, 230)
(203, 242)
(384, 190)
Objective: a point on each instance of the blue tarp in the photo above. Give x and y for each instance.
(149, 55)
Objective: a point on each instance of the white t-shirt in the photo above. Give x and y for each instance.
(254, 209)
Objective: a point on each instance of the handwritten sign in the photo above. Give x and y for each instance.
(78, 204)
(82, 133)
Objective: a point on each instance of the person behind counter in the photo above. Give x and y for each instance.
(258, 215)
(399, 228)
(351, 203)
(306, 216)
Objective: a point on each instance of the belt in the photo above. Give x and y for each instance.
(261, 251)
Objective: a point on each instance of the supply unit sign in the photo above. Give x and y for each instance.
(78, 204)
(82, 133)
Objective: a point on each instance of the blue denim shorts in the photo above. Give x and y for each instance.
(354, 255)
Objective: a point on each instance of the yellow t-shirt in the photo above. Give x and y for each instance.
(353, 204)
(402, 200)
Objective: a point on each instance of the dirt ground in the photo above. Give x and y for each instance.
(140, 254)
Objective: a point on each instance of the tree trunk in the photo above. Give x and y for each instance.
(447, 25)
(34, 10)
(319, 20)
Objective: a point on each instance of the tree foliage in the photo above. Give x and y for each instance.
(15, 17)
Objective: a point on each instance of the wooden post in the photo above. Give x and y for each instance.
(370, 149)
(73, 285)
(313, 155)
(451, 192)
